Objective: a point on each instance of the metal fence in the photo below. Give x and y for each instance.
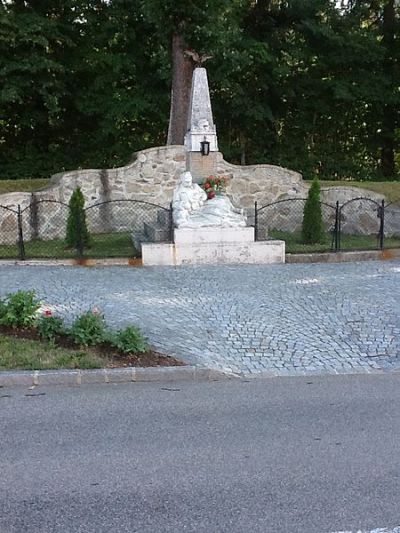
(116, 229)
(358, 224)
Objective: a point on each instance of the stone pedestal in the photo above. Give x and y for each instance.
(213, 246)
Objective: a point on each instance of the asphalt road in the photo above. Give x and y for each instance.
(308, 455)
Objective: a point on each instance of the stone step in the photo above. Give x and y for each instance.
(156, 232)
(163, 217)
(138, 237)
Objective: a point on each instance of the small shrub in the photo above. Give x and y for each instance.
(19, 309)
(49, 327)
(129, 340)
(77, 236)
(312, 228)
(88, 329)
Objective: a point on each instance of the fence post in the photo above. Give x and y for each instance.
(21, 246)
(171, 224)
(381, 214)
(255, 222)
(337, 227)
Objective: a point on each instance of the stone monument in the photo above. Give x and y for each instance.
(207, 230)
(200, 129)
(191, 209)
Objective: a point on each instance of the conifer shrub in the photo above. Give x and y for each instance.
(77, 232)
(312, 228)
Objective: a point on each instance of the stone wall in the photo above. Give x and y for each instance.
(152, 177)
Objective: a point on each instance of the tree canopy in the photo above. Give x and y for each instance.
(314, 86)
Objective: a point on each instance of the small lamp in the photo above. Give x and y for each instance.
(204, 147)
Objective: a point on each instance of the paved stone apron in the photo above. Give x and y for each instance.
(283, 319)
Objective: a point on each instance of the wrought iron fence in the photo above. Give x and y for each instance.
(359, 224)
(116, 229)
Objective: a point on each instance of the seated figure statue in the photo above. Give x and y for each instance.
(191, 209)
(188, 198)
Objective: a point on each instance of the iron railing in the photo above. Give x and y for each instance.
(358, 224)
(116, 229)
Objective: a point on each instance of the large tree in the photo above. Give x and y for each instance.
(308, 85)
(182, 26)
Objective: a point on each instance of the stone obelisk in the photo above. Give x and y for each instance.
(200, 128)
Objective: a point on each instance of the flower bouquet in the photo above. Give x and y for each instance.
(214, 185)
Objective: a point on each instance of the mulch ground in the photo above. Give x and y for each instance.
(113, 358)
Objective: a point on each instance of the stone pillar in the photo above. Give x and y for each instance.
(200, 128)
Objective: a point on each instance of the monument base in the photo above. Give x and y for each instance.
(212, 246)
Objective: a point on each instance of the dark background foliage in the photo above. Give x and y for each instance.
(314, 86)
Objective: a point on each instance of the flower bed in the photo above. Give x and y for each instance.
(32, 337)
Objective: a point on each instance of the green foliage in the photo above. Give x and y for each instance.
(50, 327)
(129, 340)
(308, 85)
(19, 309)
(312, 228)
(88, 329)
(77, 232)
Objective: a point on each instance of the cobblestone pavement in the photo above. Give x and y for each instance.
(280, 319)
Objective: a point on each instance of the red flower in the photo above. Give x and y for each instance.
(207, 185)
(47, 312)
(211, 194)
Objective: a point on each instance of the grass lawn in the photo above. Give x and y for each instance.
(348, 242)
(391, 189)
(120, 245)
(22, 185)
(24, 354)
(21, 349)
(103, 245)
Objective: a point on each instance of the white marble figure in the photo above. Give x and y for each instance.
(188, 198)
(191, 209)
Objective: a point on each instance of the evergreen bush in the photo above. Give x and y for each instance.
(312, 228)
(77, 232)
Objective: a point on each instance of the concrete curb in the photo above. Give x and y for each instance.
(316, 257)
(111, 261)
(108, 375)
(343, 257)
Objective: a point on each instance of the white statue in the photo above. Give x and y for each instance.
(188, 198)
(191, 209)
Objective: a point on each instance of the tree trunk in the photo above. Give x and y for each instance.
(182, 70)
(387, 162)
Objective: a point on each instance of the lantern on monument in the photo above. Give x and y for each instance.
(204, 147)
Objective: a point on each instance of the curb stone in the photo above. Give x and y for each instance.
(314, 257)
(108, 375)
